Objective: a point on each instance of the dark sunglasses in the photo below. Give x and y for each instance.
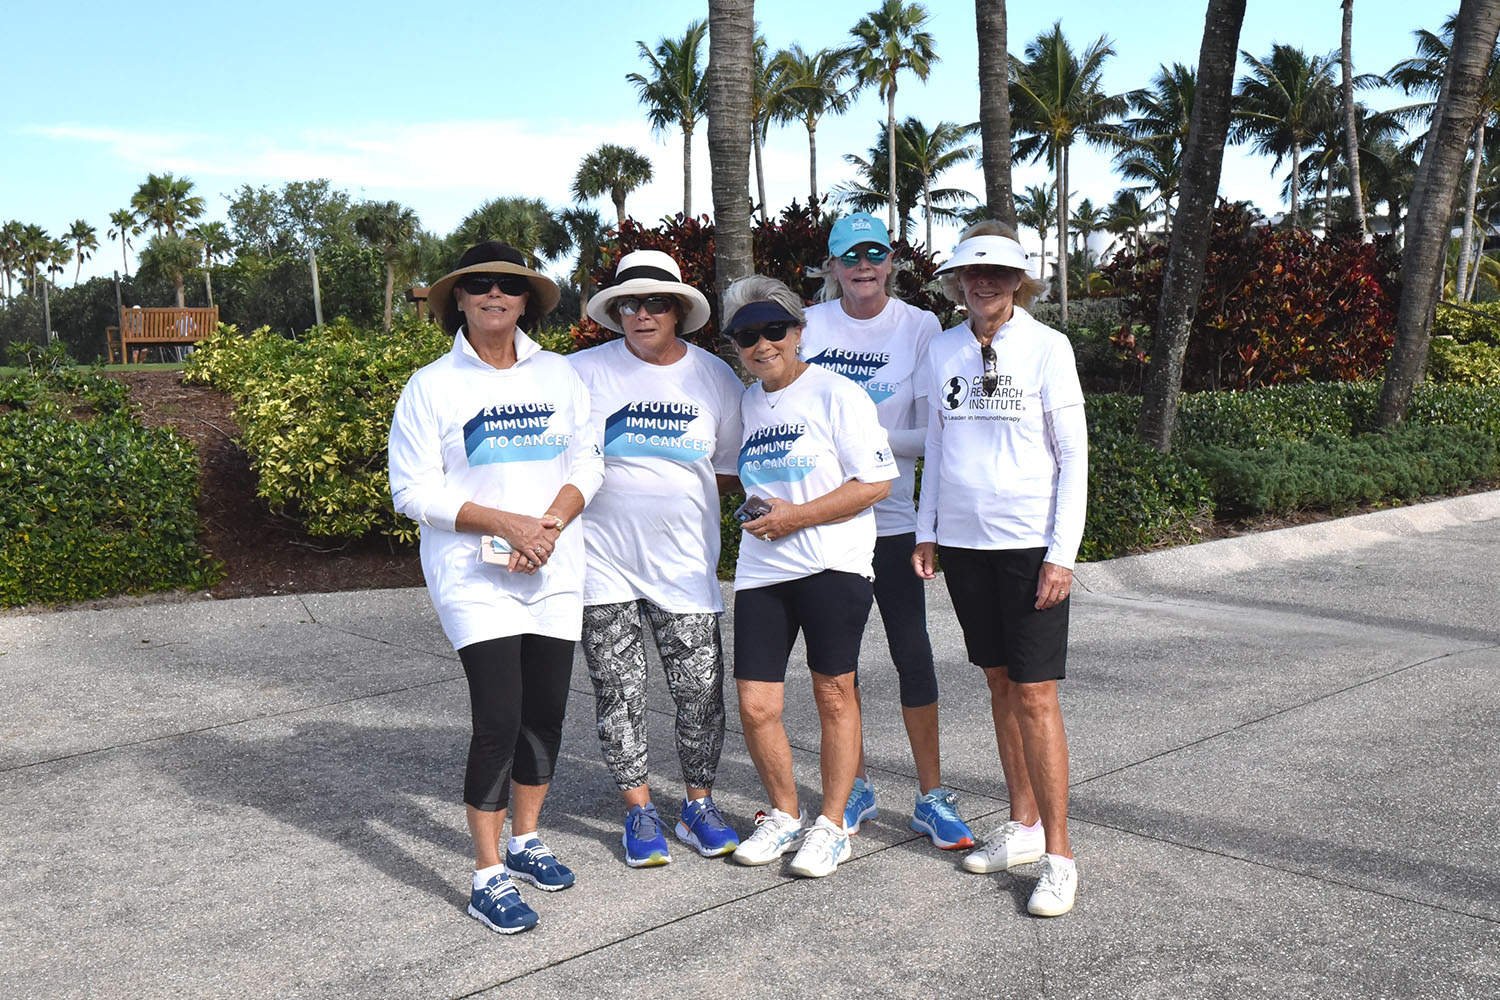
(875, 255)
(656, 305)
(748, 337)
(991, 379)
(480, 284)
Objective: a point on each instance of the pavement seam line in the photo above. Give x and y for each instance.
(1288, 871)
(1272, 715)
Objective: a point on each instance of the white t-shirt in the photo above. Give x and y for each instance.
(881, 355)
(803, 442)
(993, 478)
(510, 439)
(653, 528)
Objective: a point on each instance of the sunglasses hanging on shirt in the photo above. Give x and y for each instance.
(991, 379)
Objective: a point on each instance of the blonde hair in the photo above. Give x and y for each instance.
(833, 289)
(949, 283)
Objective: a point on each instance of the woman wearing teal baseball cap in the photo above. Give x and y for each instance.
(863, 332)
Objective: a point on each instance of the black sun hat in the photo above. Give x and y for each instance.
(492, 257)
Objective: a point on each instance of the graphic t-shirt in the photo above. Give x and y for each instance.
(801, 443)
(991, 476)
(653, 528)
(504, 438)
(881, 355)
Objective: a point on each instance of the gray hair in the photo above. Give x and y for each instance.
(953, 289)
(760, 288)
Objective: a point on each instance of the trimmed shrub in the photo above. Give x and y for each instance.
(1139, 499)
(1474, 363)
(316, 414)
(1469, 323)
(91, 501)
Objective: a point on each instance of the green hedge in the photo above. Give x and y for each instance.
(315, 415)
(91, 501)
(1464, 364)
(1473, 323)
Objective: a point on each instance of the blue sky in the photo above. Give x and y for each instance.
(445, 106)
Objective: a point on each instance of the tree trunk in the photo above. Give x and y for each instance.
(1430, 207)
(731, 71)
(619, 211)
(390, 288)
(177, 284)
(1296, 179)
(687, 171)
(890, 143)
(812, 166)
(124, 260)
(927, 210)
(994, 110)
(208, 285)
(1062, 235)
(1351, 120)
(760, 172)
(1466, 242)
(1202, 162)
(47, 315)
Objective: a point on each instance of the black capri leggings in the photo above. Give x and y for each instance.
(518, 694)
(902, 599)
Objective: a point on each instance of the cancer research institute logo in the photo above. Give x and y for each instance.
(860, 368)
(766, 457)
(955, 391)
(654, 429)
(515, 432)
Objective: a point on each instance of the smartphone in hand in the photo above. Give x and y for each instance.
(752, 508)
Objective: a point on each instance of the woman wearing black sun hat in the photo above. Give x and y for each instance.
(493, 453)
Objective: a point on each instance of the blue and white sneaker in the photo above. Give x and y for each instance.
(535, 863)
(775, 833)
(860, 807)
(937, 816)
(645, 845)
(498, 906)
(702, 826)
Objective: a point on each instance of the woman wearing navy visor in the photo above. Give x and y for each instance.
(669, 417)
(815, 454)
(864, 333)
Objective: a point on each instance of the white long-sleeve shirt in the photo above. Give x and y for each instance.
(509, 439)
(1007, 470)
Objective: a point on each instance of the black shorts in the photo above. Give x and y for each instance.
(994, 596)
(829, 608)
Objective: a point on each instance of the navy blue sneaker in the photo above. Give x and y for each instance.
(645, 844)
(936, 815)
(499, 907)
(536, 864)
(860, 807)
(702, 826)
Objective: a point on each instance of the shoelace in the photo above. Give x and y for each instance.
(1052, 878)
(709, 815)
(648, 819)
(496, 891)
(824, 841)
(945, 807)
(540, 855)
(1002, 833)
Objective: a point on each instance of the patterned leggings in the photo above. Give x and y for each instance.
(692, 654)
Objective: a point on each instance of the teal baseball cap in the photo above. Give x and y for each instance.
(852, 230)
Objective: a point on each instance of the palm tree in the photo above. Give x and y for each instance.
(1087, 220)
(1424, 74)
(36, 246)
(525, 223)
(1127, 216)
(1460, 106)
(1284, 101)
(165, 202)
(809, 87)
(1325, 162)
(1388, 174)
(931, 153)
(889, 40)
(1187, 251)
(1037, 209)
(58, 256)
(10, 252)
(731, 87)
(994, 108)
(122, 226)
(1157, 130)
(388, 226)
(612, 170)
(1351, 124)
(170, 257)
(1057, 98)
(675, 93)
(213, 237)
(84, 240)
(587, 235)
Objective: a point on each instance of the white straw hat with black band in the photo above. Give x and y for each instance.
(995, 251)
(643, 273)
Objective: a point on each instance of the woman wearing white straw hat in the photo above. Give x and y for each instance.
(493, 453)
(1003, 498)
(869, 336)
(669, 416)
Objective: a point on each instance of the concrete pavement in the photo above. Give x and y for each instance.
(1285, 783)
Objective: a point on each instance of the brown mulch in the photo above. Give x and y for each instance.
(262, 552)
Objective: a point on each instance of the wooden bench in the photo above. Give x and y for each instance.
(142, 328)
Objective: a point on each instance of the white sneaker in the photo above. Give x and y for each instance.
(1054, 892)
(825, 845)
(1008, 845)
(775, 833)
